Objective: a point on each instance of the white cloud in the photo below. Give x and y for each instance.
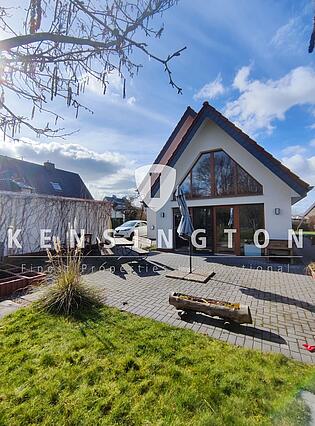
(297, 163)
(211, 90)
(131, 100)
(262, 102)
(312, 143)
(104, 173)
(290, 35)
(241, 79)
(114, 89)
(293, 150)
(301, 160)
(114, 83)
(303, 166)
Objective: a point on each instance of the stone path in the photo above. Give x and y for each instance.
(309, 399)
(282, 304)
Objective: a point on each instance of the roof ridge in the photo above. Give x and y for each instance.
(188, 112)
(35, 164)
(240, 136)
(252, 141)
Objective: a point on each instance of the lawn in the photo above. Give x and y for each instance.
(119, 369)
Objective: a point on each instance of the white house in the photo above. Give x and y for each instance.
(229, 181)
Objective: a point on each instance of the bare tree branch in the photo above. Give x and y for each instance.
(312, 39)
(66, 43)
(11, 43)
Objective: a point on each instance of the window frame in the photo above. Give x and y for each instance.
(56, 186)
(191, 196)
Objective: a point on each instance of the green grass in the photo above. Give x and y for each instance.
(119, 369)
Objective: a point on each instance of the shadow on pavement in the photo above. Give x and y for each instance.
(246, 330)
(278, 298)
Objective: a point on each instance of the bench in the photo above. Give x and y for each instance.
(104, 250)
(278, 248)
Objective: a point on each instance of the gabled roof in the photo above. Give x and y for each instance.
(181, 128)
(116, 203)
(171, 152)
(17, 175)
(309, 210)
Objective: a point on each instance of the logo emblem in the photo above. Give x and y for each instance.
(155, 184)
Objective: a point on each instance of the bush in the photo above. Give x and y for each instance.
(68, 294)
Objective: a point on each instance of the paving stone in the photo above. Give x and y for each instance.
(282, 304)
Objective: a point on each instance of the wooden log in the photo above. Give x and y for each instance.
(235, 312)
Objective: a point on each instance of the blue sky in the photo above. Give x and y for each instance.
(247, 58)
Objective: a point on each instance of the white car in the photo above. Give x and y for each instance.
(128, 229)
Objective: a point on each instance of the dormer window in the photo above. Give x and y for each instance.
(56, 186)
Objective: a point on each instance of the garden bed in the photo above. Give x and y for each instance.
(12, 279)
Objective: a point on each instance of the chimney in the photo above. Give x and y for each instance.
(49, 166)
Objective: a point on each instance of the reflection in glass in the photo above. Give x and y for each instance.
(246, 184)
(185, 186)
(251, 219)
(224, 220)
(224, 174)
(201, 177)
(216, 174)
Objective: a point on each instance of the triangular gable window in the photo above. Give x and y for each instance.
(216, 174)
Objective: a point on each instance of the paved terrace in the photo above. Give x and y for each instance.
(282, 303)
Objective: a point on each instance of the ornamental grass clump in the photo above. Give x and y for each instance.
(311, 269)
(67, 294)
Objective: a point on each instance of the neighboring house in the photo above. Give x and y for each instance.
(296, 221)
(307, 220)
(24, 176)
(229, 181)
(35, 198)
(118, 209)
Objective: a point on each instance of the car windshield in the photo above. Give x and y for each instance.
(130, 223)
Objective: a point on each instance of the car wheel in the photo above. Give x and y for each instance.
(131, 236)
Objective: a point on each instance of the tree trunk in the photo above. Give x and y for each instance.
(216, 308)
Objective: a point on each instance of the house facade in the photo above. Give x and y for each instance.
(44, 179)
(118, 207)
(36, 197)
(309, 215)
(229, 182)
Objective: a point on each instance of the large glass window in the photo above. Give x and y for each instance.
(186, 186)
(246, 184)
(224, 168)
(216, 174)
(251, 219)
(201, 177)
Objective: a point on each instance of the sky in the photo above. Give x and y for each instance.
(248, 59)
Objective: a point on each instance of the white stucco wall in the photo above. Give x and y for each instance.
(276, 194)
(151, 219)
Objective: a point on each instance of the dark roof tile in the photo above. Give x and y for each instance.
(208, 111)
(41, 179)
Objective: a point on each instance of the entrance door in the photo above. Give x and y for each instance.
(203, 219)
(224, 219)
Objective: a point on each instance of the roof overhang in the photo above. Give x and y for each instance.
(274, 165)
